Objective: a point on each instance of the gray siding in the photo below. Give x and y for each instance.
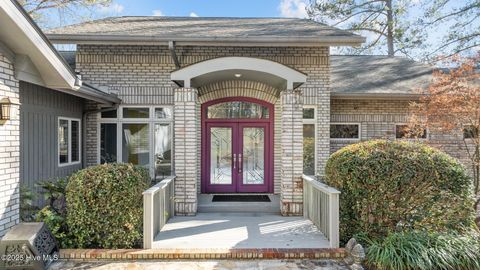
(39, 112)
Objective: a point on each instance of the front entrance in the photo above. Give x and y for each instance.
(237, 141)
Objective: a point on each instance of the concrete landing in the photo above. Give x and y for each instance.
(239, 231)
(205, 205)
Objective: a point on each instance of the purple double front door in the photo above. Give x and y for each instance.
(237, 143)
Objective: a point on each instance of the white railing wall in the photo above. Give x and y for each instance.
(321, 206)
(158, 207)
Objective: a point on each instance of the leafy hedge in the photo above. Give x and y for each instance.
(425, 251)
(391, 185)
(104, 205)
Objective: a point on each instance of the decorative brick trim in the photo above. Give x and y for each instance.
(251, 89)
(195, 254)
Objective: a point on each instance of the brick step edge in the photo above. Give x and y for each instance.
(156, 254)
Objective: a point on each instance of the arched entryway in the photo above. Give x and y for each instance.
(237, 145)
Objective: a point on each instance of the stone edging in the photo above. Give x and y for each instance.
(156, 254)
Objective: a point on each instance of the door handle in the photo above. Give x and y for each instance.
(239, 163)
(234, 161)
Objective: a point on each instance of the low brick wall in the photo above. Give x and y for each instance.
(159, 254)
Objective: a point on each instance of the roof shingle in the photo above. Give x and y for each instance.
(200, 28)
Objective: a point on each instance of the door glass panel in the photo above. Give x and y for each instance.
(108, 143)
(135, 144)
(253, 156)
(237, 109)
(221, 156)
(163, 151)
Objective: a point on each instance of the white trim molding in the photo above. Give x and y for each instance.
(23, 36)
(291, 76)
(69, 142)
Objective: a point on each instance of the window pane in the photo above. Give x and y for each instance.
(404, 131)
(163, 150)
(108, 143)
(339, 131)
(470, 132)
(309, 149)
(253, 156)
(109, 114)
(237, 109)
(135, 145)
(221, 156)
(63, 141)
(309, 113)
(75, 141)
(136, 113)
(163, 113)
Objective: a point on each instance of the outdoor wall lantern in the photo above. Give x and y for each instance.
(5, 108)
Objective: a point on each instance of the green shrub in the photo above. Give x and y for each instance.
(425, 251)
(104, 205)
(57, 225)
(27, 206)
(393, 185)
(54, 194)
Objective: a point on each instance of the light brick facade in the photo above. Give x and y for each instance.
(186, 150)
(292, 152)
(141, 76)
(378, 118)
(9, 150)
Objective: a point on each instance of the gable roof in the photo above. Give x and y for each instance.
(372, 76)
(366, 76)
(34, 57)
(205, 30)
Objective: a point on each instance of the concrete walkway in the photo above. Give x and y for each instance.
(204, 265)
(240, 230)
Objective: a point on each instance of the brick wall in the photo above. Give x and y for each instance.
(141, 75)
(9, 150)
(377, 119)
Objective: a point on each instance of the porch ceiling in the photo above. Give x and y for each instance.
(238, 68)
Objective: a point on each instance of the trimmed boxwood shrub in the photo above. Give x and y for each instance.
(395, 185)
(104, 205)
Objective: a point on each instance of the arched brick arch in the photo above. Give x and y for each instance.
(238, 88)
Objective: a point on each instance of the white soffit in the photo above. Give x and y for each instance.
(23, 37)
(219, 69)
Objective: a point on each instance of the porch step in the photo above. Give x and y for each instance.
(206, 205)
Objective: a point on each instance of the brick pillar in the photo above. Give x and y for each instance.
(292, 153)
(186, 122)
(91, 135)
(9, 149)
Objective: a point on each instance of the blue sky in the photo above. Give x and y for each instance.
(206, 8)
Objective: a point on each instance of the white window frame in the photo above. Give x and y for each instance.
(409, 139)
(69, 143)
(347, 139)
(150, 121)
(312, 121)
